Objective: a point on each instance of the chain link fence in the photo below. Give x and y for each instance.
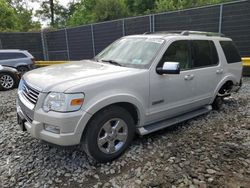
(232, 19)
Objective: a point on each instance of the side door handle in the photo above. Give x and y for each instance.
(189, 77)
(219, 71)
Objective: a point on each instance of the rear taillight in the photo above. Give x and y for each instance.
(33, 60)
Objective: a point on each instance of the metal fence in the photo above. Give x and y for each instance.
(232, 19)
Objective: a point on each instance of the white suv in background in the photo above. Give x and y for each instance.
(22, 60)
(139, 84)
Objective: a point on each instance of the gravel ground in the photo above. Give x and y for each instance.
(212, 150)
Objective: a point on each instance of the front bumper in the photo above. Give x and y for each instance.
(71, 125)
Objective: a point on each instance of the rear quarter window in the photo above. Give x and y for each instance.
(11, 55)
(230, 51)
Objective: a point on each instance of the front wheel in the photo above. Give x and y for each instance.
(109, 134)
(7, 81)
(218, 103)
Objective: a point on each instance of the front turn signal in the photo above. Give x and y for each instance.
(76, 102)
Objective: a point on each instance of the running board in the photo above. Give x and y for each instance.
(166, 123)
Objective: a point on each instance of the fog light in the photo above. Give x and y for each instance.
(52, 128)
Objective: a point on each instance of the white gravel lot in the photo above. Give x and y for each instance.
(212, 150)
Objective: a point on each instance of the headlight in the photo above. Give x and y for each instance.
(61, 102)
(20, 86)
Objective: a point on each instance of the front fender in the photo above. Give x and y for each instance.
(106, 101)
(118, 98)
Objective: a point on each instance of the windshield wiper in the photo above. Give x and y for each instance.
(113, 62)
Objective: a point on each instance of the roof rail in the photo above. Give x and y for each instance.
(202, 33)
(186, 33)
(164, 32)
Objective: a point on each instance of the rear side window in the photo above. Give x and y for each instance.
(230, 51)
(204, 53)
(11, 55)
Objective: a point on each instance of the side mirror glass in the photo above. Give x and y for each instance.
(169, 68)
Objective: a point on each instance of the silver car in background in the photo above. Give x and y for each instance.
(22, 60)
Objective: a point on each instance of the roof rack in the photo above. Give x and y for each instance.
(164, 32)
(202, 33)
(186, 33)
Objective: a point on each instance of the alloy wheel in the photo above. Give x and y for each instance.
(112, 136)
(6, 81)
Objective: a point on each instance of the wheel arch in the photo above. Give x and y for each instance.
(228, 80)
(131, 104)
(22, 65)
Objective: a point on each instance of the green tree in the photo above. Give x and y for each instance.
(167, 5)
(89, 11)
(110, 10)
(82, 12)
(53, 11)
(9, 21)
(24, 15)
(140, 6)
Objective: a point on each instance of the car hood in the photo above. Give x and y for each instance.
(61, 77)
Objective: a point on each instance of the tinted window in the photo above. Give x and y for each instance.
(177, 52)
(5, 55)
(230, 51)
(204, 53)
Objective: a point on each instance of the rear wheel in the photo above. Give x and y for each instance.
(7, 81)
(22, 69)
(109, 134)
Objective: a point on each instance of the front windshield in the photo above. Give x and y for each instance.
(131, 52)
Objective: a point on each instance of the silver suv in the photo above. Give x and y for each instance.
(139, 84)
(22, 60)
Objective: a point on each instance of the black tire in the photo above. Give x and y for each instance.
(3, 86)
(95, 128)
(23, 69)
(218, 103)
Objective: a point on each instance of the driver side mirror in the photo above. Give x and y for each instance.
(169, 68)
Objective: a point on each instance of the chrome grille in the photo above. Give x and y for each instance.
(30, 93)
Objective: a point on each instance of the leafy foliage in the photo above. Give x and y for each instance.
(140, 6)
(167, 5)
(51, 9)
(8, 17)
(16, 15)
(110, 10)
(89, 11)
(83, 13)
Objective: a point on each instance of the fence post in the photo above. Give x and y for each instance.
(220, 19)
(67, 42)
(150, 23)
(93, 39)
(153, 23)
(44, 46)
(123, 27)
(1, 47)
